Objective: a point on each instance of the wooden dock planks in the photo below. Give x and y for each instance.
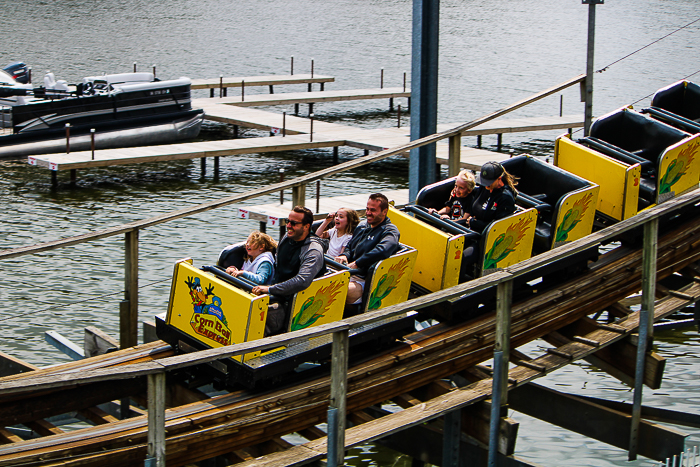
(266, 80)
(251, 100)
(171, 152)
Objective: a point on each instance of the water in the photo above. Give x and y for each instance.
(491, 54)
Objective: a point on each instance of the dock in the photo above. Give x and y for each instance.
(325, 134)
(296, 98)
(266, 80)
(272, 214)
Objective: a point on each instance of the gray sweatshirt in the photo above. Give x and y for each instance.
(312, 263)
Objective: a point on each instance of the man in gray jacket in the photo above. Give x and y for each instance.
(299, 261)
(375, 239)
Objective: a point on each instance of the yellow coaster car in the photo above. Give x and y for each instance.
(637, 161)
(208, 308)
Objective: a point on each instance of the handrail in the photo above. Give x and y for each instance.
(29, 384)
(298, 181)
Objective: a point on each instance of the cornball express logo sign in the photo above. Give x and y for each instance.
(208, 319)
(211, 328)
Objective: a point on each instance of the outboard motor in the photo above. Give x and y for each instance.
(20, 72)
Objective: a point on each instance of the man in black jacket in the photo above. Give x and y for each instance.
(299, 261)
(375, 239)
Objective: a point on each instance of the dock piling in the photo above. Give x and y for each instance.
(92, 142)
(242, 90)
(203, 161)
(284, 123)
(221, 86)
(398, 118)
(281, 191)
(499, 141)
(335, 161)
(291, 71)
(404, 81)
(154, 71)
(216, 166)
(318, 195)
(381, 80)
(311, 127)
(134, 67)
(67, 138)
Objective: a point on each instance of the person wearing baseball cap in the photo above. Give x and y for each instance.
(495, 201)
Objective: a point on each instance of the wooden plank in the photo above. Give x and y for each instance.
(98, 342)
(10, 365)
(43, 428)
(306, 97)
(7, 437)
(606, 425)
(271, 80)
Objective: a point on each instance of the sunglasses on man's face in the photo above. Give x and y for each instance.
(294, 223)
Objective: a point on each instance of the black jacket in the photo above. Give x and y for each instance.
(369, 245)
(490, 206)
(310, 261)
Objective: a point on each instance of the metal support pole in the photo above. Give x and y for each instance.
(311, 127)
(588, 112)
(381, 80)
(221, 86)
(67, 138)
(454, 156)
(299, 195)
(92, 142)
(312, 69)
(242, 90)
(338, 398)
(404, 81)
(134, 67)
(291, 71)
(646, 326)
(318, 195)
(154, 71)
(281, 191)
(424, 86)
(155, 456)
(129, 309)
(501, 351)
(284, 123)
(451, 434)
(561, 105)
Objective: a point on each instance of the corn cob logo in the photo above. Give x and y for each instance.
(506, 243)
(387, 283)
(315, 307)
(572, 217)
(677, 168)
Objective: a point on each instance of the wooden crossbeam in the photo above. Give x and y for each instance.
(601, 423)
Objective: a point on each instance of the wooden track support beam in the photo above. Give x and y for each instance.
(595, 421)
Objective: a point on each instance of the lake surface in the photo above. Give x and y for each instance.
(491, 54)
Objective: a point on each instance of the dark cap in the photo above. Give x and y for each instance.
(490, 172)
